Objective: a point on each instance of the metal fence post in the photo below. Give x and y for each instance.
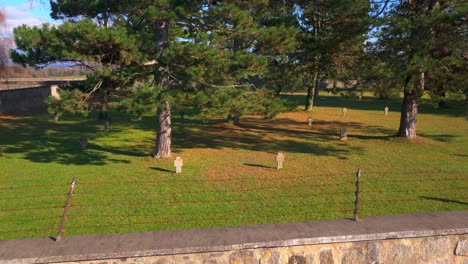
(65, 211)
(356, 202)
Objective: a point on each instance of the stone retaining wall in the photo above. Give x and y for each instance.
(433, 238)
(452, 249)
(25, 100)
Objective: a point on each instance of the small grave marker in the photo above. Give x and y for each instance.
(83, 142)
(360, 97)
(178, 163)
(309, 121)
(344, 111)
(343, 134)
(386, 110)
(329, 93)
(280, 160)
(106, 125)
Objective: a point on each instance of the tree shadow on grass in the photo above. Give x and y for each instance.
(443, 200)
(441, 137)
(75, 157)
(125, 152)
(373, 104)
(161, 169)
(259, 166)
(370, 137)
(366, 104)
(38, 139)
(284, 134)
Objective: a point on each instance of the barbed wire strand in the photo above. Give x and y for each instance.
(193, 221)
(192, 213)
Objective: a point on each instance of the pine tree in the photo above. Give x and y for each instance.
(327, 29)
(5, 44)
(253, 36)
(422, 42)
(183, 49)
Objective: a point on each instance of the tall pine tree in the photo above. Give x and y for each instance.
(423, 43)
(187, 50)
(327, 29)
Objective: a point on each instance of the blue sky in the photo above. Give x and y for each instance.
(26, 12)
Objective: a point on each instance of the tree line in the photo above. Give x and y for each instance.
(161, 55)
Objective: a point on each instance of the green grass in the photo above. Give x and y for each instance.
(229, 176)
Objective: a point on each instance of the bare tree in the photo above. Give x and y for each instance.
(5, 44)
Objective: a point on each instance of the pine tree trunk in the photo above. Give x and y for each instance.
(105, 114)
(409, 112)
(163, 132)
(311, 92)
(279, 90)
(317, 88)
(313, 85)
(161, 77)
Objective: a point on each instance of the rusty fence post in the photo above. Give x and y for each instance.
(65, 211)
(356, 201)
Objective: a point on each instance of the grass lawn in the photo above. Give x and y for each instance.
(229, 176)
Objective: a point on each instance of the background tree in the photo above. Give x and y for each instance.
(327, 29)
(422, 42)
(5, 44)
(254, 36)
(89, 42)
(183, 49)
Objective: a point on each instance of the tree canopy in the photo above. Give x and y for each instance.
(169, 54)
(422, 45)
(5, 44)
(200, 54)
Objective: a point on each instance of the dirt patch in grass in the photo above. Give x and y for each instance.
(8, 117)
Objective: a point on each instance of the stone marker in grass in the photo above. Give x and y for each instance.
(344, 111)
(343, 134)
(360, 97)
(386, 110)
(280, 160)
(309, 121)
(178, 163)
(106, 125)
(83, 142)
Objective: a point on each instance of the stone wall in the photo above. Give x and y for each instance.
(25, 100)
(451, 249)
(433, 238)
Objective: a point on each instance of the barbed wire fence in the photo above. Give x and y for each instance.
(205, 202)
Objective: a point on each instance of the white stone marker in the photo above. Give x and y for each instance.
(343, 134)
(178, 163)
(83, 142)
(309, 121)
(280, 160)
(106, 125)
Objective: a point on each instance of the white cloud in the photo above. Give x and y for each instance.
(17, 17)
